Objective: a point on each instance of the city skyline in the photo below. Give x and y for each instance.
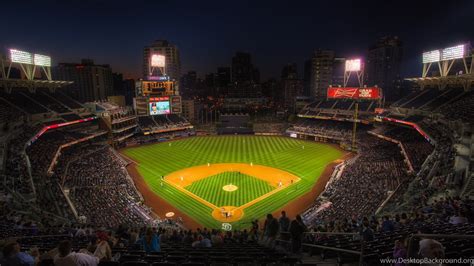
(208, 35)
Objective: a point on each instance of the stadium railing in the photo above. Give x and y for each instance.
(287, 241)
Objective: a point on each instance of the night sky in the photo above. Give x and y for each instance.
(208, 33)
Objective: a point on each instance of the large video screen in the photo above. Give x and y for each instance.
(160, 108)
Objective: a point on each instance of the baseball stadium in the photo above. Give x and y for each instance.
(351, 165)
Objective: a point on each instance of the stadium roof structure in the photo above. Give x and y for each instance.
(443, 60)
(465, 81)
(9, 84)
(29, 64)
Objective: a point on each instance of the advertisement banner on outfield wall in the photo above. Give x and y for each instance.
(372, 93)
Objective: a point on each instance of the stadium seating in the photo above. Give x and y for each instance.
(89, 184)
(22, 102)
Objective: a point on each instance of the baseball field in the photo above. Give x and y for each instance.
(231, 179)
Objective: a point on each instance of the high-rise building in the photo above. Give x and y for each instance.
(188, 83)
(242, 69)
(290, 71)
(307, 77)
(292, 87)
(172, 60)
(91, 82)
(324, 70)
(383, 66)
(117, 79)
(223, 76)
(322, 64)
(338, 71)
(189, 110)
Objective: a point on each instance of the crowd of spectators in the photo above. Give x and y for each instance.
(416, 146)
(327, 128)
(462, 109)
(162, 122)
(101, 190)
(364, 183)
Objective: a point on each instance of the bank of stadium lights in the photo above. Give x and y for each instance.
(450, 53)
(431, 56)
(158, 60)
(28, 63)
(353, 65)
(445, 58)
(42, 60)
(21, 57)
(454, 52)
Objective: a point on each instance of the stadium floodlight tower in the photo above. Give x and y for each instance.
(30, 65)
(356, 67)
(357, 94)
(27, 63)
(444, 59)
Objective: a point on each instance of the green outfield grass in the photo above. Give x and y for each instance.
(249, 188)
(301, 158)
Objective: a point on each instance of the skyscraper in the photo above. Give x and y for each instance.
(322, 64)
(243, 70)
(223, 76)
(307, 77)
(290, 71)
(324, 69)
(172, 60)
(91, 82)
(292, 86)
(383, 66)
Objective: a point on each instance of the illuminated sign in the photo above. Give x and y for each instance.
(372, 93)
(161, 78)
(157, 60)
(353, 65)
(159, 99)
(46, 128)
(21, 57)
(431, 56)
(42, 60)
(453, 52)
(411, 124)
(155, 84)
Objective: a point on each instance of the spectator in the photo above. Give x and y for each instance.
(387, 224)
(366, 232)
(103, 251)
(67, 258)
(205, 242)
(270, 231)
(297, 229)
(12, 256)
(400, 252)
(459, 218)
(430, 248)
(197, 242)
(150, 241)
(284, 222)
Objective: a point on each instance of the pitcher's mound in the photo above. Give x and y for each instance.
(227, 214)
(230, 188)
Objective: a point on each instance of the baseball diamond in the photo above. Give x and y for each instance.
(235, 179)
